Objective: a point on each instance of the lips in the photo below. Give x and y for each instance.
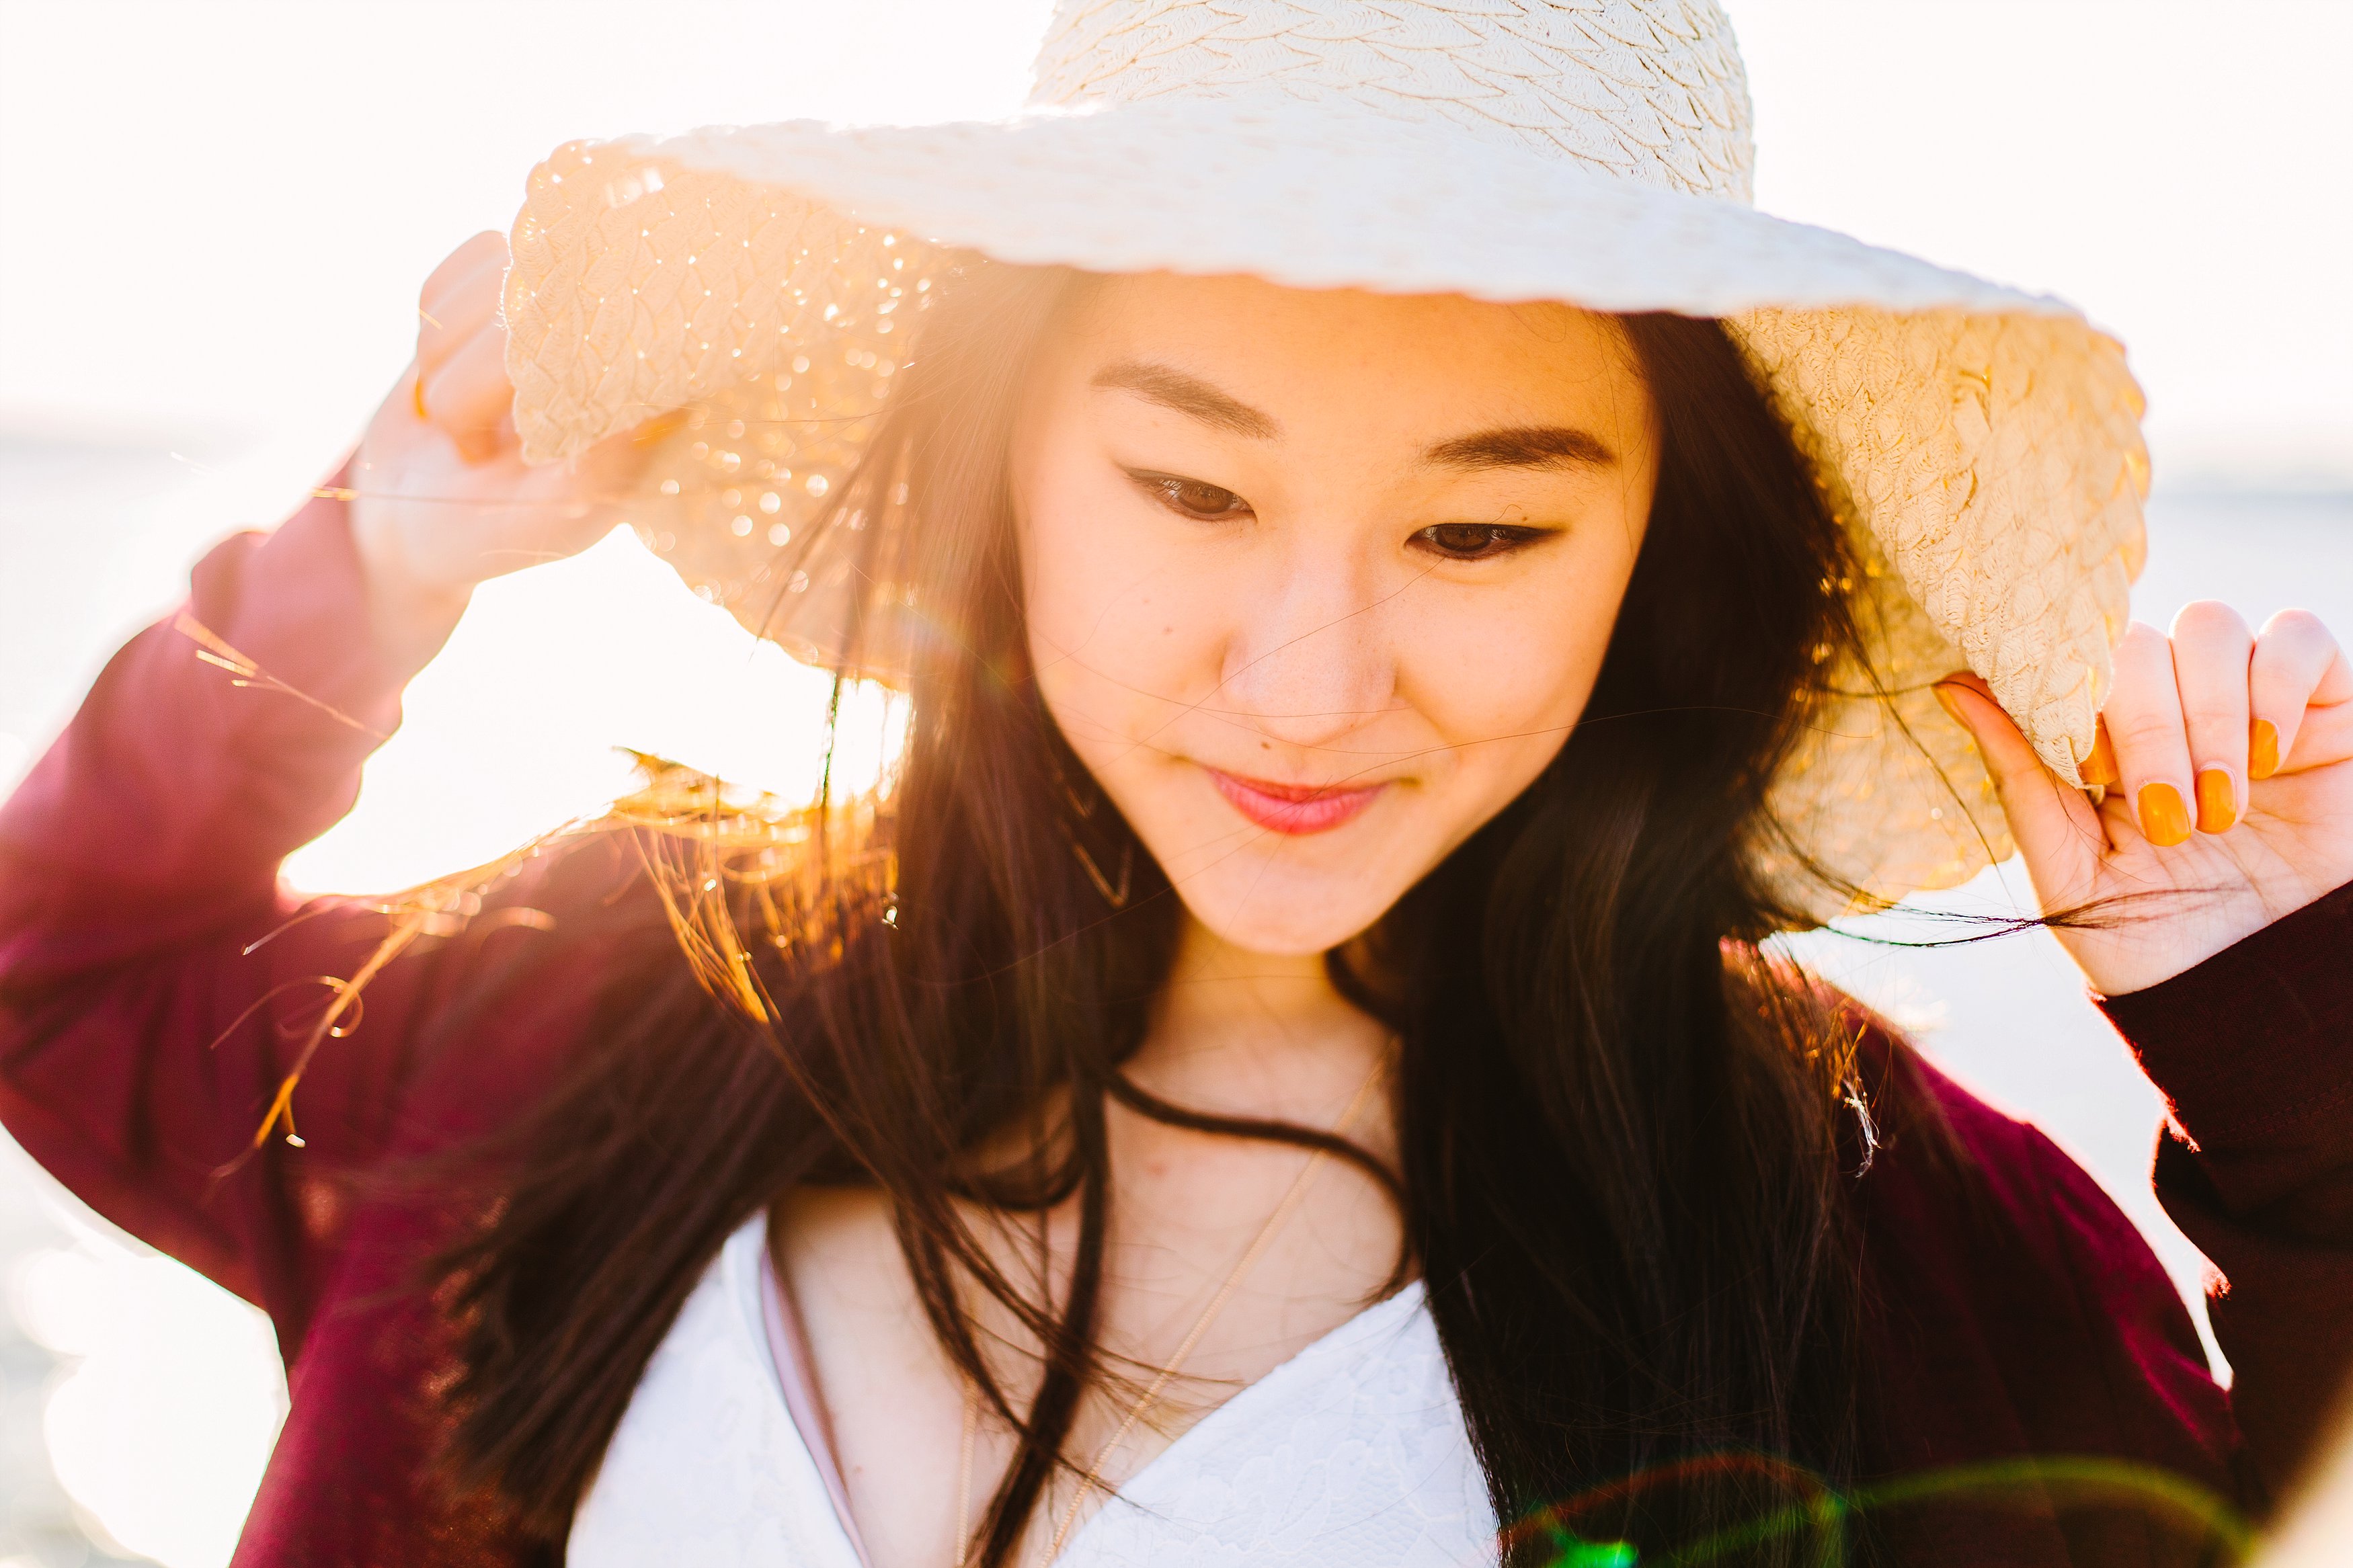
(1294, 808)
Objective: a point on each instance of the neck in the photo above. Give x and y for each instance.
(1254, 1033)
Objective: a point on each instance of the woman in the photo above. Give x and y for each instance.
(1284, 1068)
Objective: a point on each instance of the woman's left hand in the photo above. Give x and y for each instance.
(2228, 761)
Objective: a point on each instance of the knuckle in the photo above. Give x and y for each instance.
(2299, 626)
(2217, 728)
(2208, 620)
(2142, 647)
(2141, 731)
(2142, 652)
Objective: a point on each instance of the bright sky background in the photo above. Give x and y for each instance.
(215, 214)
(218, 212)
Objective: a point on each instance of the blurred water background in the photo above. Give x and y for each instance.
(219, 211)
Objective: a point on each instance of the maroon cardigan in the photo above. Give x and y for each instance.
(2016, 1312)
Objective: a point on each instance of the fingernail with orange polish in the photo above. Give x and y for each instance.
(2263, 750)
(2217, 801)
(2164, 820)
(1945, 700)
(2100, 767)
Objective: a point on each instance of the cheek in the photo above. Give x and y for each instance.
(1503, 678)
(1120, 633)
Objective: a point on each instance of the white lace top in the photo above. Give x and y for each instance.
(1353, 1452)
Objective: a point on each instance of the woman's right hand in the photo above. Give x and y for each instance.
(442, 498)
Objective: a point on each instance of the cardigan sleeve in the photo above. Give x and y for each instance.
(157, 982)
(2253, 1051)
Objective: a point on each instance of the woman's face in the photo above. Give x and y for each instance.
(1318, 582)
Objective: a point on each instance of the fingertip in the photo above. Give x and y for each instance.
(2007, 753)
(2218, 799)
(2262, 749)
(1976, 708)
(1949, 693)
(659, 428)
(2164, 815)
(2100, 766)
(1968, 680)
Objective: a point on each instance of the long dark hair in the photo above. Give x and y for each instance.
(1620, 1127)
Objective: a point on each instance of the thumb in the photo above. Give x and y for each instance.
(2049, 821)
(601, 481)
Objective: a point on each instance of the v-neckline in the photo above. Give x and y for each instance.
(795, 1386)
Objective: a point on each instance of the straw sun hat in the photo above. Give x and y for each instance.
(1982, 445)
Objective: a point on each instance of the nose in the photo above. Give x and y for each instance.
(1309, 661)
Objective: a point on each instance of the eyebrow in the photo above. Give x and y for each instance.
(1527, 446)
(1522, 447)
(1190, 395)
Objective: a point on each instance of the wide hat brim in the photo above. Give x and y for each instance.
(1982, 443)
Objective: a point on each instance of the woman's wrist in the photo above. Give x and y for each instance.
(410, 615)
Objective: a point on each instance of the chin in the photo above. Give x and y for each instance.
(1282, 912)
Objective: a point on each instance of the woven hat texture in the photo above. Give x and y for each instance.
(1982, 445)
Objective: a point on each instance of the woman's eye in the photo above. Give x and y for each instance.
(1191, 497)
(1474, 540)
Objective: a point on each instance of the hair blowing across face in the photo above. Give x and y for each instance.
(1620, 1130)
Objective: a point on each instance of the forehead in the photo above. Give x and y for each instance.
(1451, 358)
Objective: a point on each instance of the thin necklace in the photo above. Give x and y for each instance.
(1234, 1276)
